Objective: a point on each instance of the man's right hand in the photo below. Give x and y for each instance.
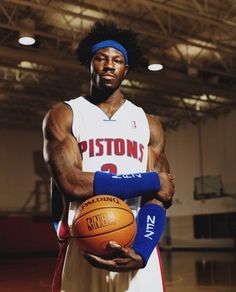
(167, 189)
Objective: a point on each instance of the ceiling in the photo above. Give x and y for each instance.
(195, 40)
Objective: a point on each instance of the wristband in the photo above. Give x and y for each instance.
(126, 186)
(150, 226)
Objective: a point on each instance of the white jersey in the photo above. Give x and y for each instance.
(121, 140)
(119, 145)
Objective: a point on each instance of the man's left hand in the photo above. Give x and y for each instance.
(126, 259)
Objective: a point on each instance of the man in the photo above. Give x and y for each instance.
(104, 144)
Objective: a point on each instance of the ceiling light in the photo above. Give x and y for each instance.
(26, 37)
(26, 40)
(204, 97)
(155, 67)
(27, 65)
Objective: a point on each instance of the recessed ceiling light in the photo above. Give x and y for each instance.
(26, 40)
(155, 67)
(26, 35)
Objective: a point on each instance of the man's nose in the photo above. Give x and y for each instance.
(109, 65)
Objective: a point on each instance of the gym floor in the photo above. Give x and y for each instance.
(184, 271)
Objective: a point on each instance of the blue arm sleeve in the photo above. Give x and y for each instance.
(150, 226)
(126, 186)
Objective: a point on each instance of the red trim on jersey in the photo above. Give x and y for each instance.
(56, 284)
(63, 230)
(63, 236)
(161, 268)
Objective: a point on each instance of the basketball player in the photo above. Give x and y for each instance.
(104, 144)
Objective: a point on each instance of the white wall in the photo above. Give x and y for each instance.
(219, 157)
(17, 176)
(218, 145)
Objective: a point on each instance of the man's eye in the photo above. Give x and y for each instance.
(118, 60)
(100, 58)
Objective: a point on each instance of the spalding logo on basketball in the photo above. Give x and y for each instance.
(101, 219)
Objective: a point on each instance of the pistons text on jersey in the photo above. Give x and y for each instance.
(112, 146)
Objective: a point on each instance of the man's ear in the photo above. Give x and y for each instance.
(126, 69)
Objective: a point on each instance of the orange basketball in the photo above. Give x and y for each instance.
(101, 219)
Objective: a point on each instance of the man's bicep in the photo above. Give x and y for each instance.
(157, 160)
(163, 163)
(62, 156)
(61, 151)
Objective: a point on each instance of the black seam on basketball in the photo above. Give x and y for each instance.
(112, 231)
(109, 207)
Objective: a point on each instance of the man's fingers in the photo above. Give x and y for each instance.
(99, 262)
(126, 260)
(114, 245)
(122, 261)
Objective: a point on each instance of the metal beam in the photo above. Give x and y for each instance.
(201, 17)
(142, 30)
(56, 61)
(161, 80)
(51, 9)
(18, 28)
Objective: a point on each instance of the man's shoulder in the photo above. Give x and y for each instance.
(75, 100)
(58, 119)
(153, 120)
(155, 126)
(59, 114)
(132, 104)
(134, 107)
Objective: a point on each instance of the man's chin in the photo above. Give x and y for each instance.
(107, 83)
(103, 93)
(108, 87)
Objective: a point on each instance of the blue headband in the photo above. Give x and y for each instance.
(112, 44)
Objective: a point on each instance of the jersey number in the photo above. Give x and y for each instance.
(109, 167)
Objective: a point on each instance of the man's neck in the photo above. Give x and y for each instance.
(109, 102)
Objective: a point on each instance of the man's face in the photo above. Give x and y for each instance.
(108, 69)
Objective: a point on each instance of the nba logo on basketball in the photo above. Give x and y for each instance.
(133, 124)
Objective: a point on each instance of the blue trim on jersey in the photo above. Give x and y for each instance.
(108, 120)
(56, 224)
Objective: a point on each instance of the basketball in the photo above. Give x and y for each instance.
(101, 219)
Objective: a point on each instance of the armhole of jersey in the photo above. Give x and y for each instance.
(74, 127)
(148, 127)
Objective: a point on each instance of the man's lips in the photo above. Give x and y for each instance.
(108, 76)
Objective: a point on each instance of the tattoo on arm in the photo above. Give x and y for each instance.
(163, 164)
(59, 161)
